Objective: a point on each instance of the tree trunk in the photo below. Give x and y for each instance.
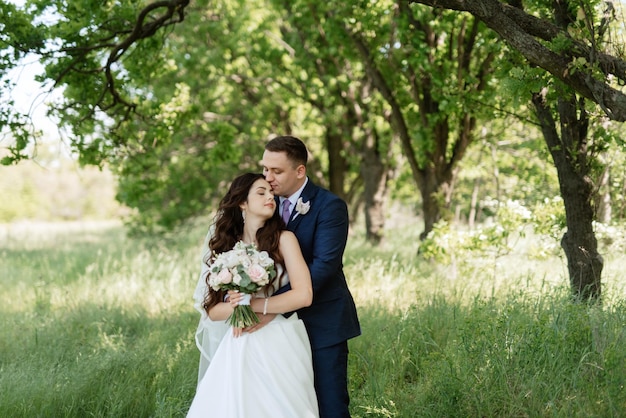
(436, 180)
(375, 177)
(436, 191)
(430, 206)
(570, 156)
(471, 219)
(603, 198)
(337, 166)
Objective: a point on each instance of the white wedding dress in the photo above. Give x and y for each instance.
(264, 374)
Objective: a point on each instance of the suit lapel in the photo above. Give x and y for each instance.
(308, 195)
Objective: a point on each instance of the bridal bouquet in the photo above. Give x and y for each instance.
(245, 269)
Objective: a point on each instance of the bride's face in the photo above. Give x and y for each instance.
(260, 200)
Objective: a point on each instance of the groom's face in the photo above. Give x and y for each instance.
(281, 174)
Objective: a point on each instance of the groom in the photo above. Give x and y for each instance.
(320, 221)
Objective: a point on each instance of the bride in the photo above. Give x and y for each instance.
(264, 371)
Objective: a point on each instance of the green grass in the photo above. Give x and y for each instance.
(95, 323)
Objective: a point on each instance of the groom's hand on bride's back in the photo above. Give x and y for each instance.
(265, 319)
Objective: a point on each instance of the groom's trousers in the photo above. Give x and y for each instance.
(330, 368)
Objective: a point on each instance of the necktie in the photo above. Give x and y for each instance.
(286, 211)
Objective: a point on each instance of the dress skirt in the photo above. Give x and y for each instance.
(264, 374)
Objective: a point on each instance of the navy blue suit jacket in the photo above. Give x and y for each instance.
(322, 233)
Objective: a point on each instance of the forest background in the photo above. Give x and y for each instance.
(485, 179)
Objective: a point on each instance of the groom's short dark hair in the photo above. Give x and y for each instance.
(294, 148)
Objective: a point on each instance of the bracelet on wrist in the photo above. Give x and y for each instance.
(265, 306)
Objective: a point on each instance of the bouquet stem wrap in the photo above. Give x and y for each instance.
(243, 316)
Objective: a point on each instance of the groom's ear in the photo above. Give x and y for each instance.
(301, 171)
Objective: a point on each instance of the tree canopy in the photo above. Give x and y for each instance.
(178, 96)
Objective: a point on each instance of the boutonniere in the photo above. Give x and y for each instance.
(302, 207)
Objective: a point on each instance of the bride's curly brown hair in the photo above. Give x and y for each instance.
(229, 229)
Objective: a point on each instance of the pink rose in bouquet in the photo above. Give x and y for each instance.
(258, 274)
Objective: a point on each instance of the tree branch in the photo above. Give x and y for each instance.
(520, 30)
(174, 12)
(381, 85)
